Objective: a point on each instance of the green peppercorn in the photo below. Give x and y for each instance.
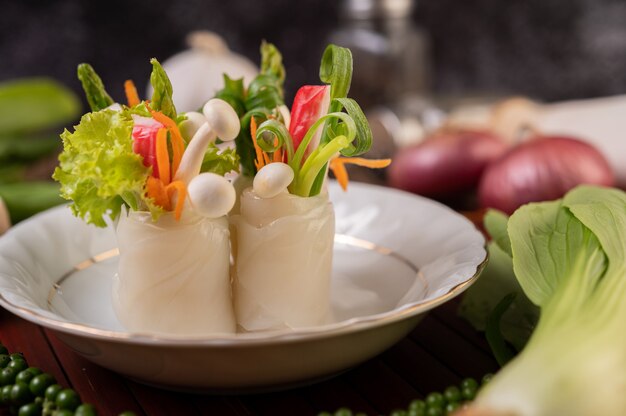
(20, 394)
(24, 376)
(452, 407)
(5, 394)
(30, 409)
(434, 411)
(63, 412)
(469, 382)
(486, 379)
(4, 360)
(452, 394)
(67, 399)
(18, 364)
(398, 413)
(344, 411)
(17, 355)
(85, 410)
(7, 376)
(435, 400)
(127, 413)
(3, 350)
(40, 383)
(469, 393)
(52, 391)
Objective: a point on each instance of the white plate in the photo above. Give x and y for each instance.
(396, 256)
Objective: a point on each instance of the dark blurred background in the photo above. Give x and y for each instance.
(547, 49)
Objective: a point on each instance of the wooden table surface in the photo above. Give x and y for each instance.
(442, 350)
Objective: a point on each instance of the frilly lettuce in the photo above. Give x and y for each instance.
(98, 169)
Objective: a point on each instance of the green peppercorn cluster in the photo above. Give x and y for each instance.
(435, 404)
(28, 391)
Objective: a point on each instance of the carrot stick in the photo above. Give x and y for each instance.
(180, 198)
(163, 157)
(338, 166)
(178, 144)
(131, 93)
(260, 155)
(368, 163)
(156, 190)
(340, 172)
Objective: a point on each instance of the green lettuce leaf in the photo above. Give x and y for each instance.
(220, 162)
(162, 96)
(98, 169)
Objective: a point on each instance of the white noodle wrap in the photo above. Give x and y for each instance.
(283, 262)
(173, 276)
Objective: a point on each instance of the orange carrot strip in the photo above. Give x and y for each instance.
(131, 93)
(156, 191)
(260, 155)
(178, 144)
(368, 163)
(340, 172)
(278, 155)
(163, 157)
(180, 198)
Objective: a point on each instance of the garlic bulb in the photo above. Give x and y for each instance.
(198, 73)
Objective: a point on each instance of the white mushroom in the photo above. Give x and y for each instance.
(5, 220)
(211, 195)
(272, 179)
(193, 123)
(222, 118)
(223, 122)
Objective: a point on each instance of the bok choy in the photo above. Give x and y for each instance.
(569, 257)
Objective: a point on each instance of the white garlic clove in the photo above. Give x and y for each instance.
(211, 195)
(272, 179)
(222, 118)
(190, 126)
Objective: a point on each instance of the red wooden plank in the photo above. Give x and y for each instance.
(448, 315)
(22, 336)
(336, 393)
(419, 368)
(104, 389)
(155, 401)
(383, 387)
(447, 346)
(226, 406)
(284, 403)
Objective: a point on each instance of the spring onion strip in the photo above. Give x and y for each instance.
(336, 70)
(351, 131)
(316, 162)
(280, 137)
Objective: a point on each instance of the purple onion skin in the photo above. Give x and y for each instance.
(542, 169)
(446, 163)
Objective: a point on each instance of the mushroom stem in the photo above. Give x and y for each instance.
(191, 161)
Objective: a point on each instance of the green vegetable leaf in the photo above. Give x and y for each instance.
(496, 223)
(547, 241)
(162, 96)
(496, 282)
(493, 332)
(35, 104)
(219, 161)
(272, 63)
(98, 169)
(28, 198)
(233, 94)
(97, 97)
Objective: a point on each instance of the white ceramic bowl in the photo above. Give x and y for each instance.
(396, 256)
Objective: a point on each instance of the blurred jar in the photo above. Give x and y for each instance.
(391, 68)
(390, 52)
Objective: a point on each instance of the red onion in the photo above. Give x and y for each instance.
(446, 163)
(542, 169)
